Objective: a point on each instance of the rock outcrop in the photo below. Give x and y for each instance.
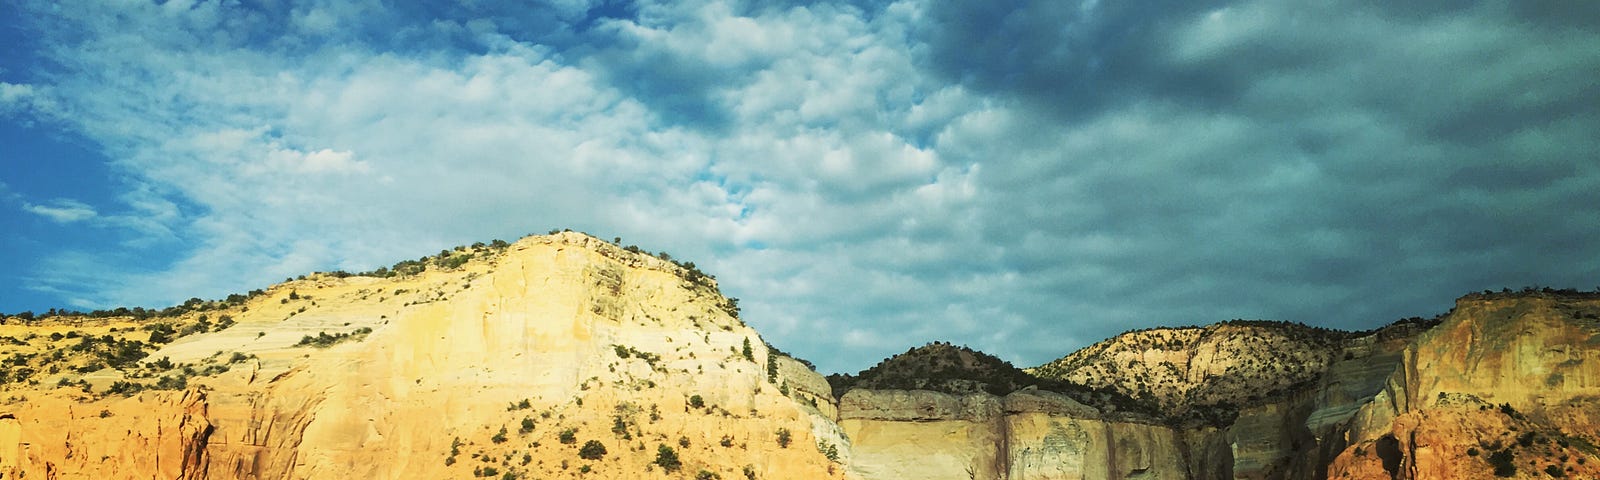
(1501, 373)
(507, 364)
(1029, 433)
(158, 435)
(1510, 377)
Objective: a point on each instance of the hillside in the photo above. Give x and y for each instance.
(501, 361)
(1209, 371)
(940, 367)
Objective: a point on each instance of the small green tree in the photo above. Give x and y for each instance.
(568, 436)
(620, 427)
(828, 450)
(1504, 462)
(784, 437)
(667, 458)
(772, 368)
(592, 450)
(696, 402)
(748, 354)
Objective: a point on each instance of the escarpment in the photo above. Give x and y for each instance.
(1508, 385)
(566, 356)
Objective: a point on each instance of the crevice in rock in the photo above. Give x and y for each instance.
(1388, 450)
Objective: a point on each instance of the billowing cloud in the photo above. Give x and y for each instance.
(1021, 177)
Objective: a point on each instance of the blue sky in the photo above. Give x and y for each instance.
(1021, 177)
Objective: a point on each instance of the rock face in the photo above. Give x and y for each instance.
(508, 364)
(1027, 434)
(161, 436)
(1502, 373)
(1535, 356)
(567, 356)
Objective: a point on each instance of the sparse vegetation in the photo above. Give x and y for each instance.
(592, 450)
(1506, 409)
(160, 332)
(784, 437)
(324, 340)
(619, 427)
(828, 450)
(1504, 463)
(667, 459)
(624, 352)
(772, 369)
(938, 366)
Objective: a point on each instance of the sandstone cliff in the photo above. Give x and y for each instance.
(1029, 433)
(570, 357)
(1267, 400)
(1507, 381)
(504, 365)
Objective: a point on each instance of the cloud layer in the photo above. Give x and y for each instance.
(1022, 177)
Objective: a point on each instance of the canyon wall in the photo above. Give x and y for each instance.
(1404, 403)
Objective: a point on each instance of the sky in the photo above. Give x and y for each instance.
(1024, 178)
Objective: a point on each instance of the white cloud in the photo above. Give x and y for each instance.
(13, 96)
(317, 162)
(27, 102)
(849, 190)
(62, 210)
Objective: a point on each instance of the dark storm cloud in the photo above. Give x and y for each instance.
(1070, 58)
(1342, 164)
